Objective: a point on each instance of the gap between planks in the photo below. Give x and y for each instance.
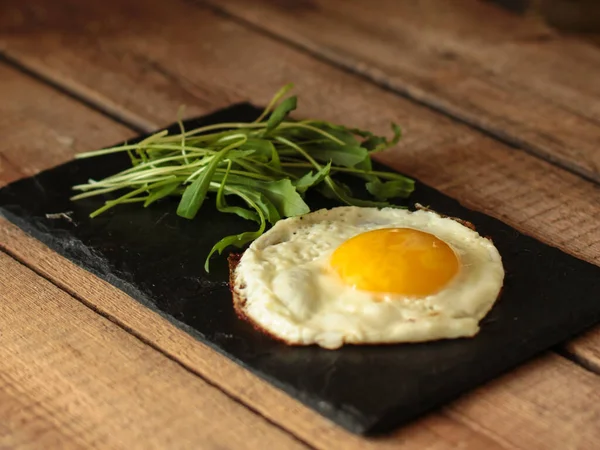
(562, 352)
(115, 116)
(565, 351)
(384, 82)
(458, 423)
(139, 124)
(140, 337)
(36, 287)
(432, 432)
(451, 424)
(105, 108)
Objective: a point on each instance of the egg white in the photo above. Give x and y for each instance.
(289, 291)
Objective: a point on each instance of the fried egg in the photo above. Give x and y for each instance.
(368, 276)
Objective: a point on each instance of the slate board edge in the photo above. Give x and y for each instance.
(139, 296)
(349, 420)
(350, 423)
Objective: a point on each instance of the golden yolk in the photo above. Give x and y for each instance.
(396, 260)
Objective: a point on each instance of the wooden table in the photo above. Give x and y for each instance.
(499, 111)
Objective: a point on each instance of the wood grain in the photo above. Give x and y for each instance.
(436, 431)
(72, 119)
(72, 379)
(454, 426)
(533, 407)
(150, 59)
(537, 392)
(35, 137)
(514, 77)
(122, 60)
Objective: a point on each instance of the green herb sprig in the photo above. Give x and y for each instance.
(268, 164)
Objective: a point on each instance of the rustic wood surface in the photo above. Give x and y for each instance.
(500, 72)
(82, 75)
(70, 378)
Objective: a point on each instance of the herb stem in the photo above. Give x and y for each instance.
(269, 164)
(139, 146)
(182, 129)
(386, 175)
(109, 204)
(257, 176)
(219, 126)
(287, 125)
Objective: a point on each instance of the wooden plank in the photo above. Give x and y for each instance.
(437, 431)
(70, 378)
(453, 426)
(537, 393)
(153, 58)
(586, 349)
(36, 137)
(429, 136)
(69, 118)
(515, 77)
(535, 406)
(532, 196)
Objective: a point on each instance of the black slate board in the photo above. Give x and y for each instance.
(157, 258)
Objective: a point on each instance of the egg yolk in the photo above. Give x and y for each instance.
(396, 260)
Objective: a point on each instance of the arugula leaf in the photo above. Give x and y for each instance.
(239, 240)
(285, 197)
(260, 201)
(280, 93)
(377, 144)
(244, 213)
(222, 205)
(401, 188)
(397, 134)
(240, 153)
(268, 164)
(341, 155)
(280, 113)
(339, 131)
(343, 193)
(374, 143)
(331, 188)
(282, 194)
(311, 179)
(364, 167)
(275, 161)
(161, 193)
(195, 193)
(264, 149)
